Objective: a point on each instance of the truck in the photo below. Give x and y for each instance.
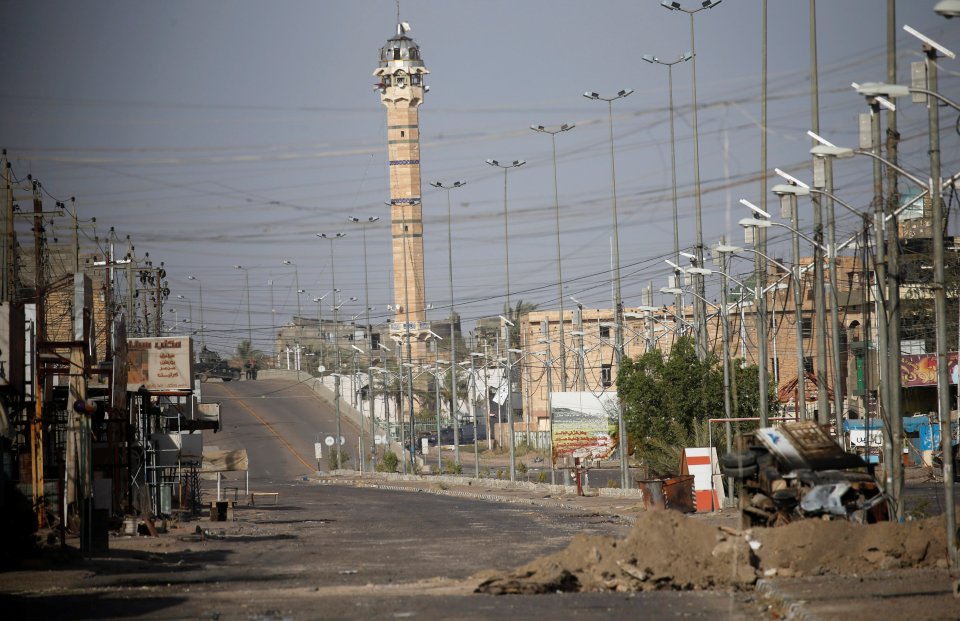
(210, 365)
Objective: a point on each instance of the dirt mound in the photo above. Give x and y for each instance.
(814, 547)
(666, 550)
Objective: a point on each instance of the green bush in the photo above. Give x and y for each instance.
(389, 462)
(541, 477)
(332, 459)
(451, 467)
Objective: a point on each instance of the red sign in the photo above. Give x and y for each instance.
(921, 369)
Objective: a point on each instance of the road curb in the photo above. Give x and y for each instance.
(477, 496)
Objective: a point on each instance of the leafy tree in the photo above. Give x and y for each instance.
(667, 400)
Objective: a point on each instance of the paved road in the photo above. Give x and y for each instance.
(338, 552)
(277, 421)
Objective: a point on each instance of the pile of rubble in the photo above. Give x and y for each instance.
(666, 550)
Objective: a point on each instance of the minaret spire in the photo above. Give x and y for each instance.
(401, 75)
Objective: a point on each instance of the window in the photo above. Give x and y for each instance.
(606, 375)
(604, 332)
(396, 53)
(415, 79)
(806, 328)
(402, 133)
(808, 364)
(387, 80)
(401, 82)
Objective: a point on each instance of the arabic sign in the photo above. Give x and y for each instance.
(921, 369)
(582, 423)
(160, 364)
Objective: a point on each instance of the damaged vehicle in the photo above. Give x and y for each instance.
(798, 471)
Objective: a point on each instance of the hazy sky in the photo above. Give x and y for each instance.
(219, 133)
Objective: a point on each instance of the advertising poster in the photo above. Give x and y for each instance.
(921, 369)
(581, 424)
(160, 364)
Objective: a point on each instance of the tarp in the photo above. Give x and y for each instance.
(224, 461)
(788, 391)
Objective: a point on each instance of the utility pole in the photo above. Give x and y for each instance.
(36, 424)
(895, 395)
(6, 231)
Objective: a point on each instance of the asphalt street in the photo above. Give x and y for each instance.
(353, 550)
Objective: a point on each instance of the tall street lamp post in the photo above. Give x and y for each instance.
(673, 159)
(453, 338)
(509, 369)
(336, 333)
(931, 49)
(759, 239)
(369, 329)
(699, 305)
(553, 131)
(246, 277)
(203, 328)
(617, 298)
(298, 322)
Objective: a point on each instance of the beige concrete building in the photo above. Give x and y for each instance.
(591, 364)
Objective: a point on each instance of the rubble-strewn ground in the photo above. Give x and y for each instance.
(666, 550)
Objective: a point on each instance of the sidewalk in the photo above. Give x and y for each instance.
(917, 594)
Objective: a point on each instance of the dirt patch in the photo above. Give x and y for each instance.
(666, 550)
(815, 547)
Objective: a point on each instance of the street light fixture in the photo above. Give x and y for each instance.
(552, 132)
(673, 152)
(453, 340)
(336, 332)
(368, 330)
(246, 276)
(617, 297)
(762, 223)
(940, 300)
(509, 367)
(299, 322)
(699, 306)
(203, 344)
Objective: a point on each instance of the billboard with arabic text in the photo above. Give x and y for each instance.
(582, 422)
(160, 364)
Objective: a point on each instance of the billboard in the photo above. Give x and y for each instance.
(921, 369)
(582, 422)
(160, 364)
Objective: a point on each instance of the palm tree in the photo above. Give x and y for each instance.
(514, 314)
(246, 356)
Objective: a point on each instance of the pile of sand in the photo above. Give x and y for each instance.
(666, 550)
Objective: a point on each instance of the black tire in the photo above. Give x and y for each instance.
(738, 460)
(743, 472)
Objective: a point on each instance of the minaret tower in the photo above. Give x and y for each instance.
(401, 85)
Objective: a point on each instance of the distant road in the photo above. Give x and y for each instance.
(277, 421)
